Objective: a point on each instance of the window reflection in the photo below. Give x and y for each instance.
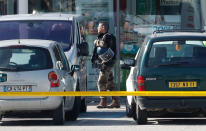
(8, 7)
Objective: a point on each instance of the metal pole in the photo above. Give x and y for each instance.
(22, 6)
(118, 44)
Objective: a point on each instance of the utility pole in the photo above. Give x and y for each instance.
(118, 44)
(22, 6)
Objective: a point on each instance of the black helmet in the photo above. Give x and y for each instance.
(101, 50)
(105, 54)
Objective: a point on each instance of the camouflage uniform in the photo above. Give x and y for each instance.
(105, 81)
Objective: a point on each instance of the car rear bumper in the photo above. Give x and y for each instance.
(170, 103)
(30, 104)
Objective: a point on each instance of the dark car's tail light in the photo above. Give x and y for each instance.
(53, 78)
(140, 82)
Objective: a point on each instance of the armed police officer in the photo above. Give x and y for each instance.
(104, 57)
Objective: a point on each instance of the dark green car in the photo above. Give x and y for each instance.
(167, 61)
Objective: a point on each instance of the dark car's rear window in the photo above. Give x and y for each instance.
(23, 58)
(177, 53)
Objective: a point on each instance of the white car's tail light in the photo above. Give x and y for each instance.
(53, 78)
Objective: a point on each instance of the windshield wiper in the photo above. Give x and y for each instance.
(9, 68)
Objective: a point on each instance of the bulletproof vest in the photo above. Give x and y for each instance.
(105, 41)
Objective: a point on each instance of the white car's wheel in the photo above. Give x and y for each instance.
(84, 105)
(83, 108)
(59, 115)
(140, 115)
(1, 117)
(130, 109)
(73, 114)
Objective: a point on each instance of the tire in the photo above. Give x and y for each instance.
(130, 110)
(1, 117)
(74, 113)
(83, 108)
(58, 115)
(84, 105)
(140, 116)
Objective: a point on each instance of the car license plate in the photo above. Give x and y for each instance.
(187, 84)
(17, 88)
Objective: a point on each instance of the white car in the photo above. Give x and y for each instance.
(37, 66)
(60, 27)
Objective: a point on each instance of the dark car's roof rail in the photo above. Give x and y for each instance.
(179, 30)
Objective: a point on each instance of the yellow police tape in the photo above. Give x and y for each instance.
(107, 93)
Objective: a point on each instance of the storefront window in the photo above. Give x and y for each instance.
(40, 5)
(143, 17)
(51, 5)
(8, 7)
(138, 18)
(154, 15)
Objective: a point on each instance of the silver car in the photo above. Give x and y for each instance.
(61, 27)
(37, 66)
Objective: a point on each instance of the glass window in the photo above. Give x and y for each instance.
(64, 59)
(24, 58)
(8, 7)
(61, 57)
(78, 34)
(150, 15)
(56, 53)
(59, 31)
(51, 5)
(40, 5)
(177, 53)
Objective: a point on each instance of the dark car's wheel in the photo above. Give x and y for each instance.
(58, 115)
(140, 116)
(84, 105)
(130, 109)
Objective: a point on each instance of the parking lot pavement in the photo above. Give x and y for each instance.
(104, 120)
(103, 117)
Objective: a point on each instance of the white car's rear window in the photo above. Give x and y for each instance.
(24, 58)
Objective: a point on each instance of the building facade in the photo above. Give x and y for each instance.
(138, 18)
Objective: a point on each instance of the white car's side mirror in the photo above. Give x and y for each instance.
(127, 63)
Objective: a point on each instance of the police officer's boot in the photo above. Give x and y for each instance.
(115, 103)
(102, 103)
